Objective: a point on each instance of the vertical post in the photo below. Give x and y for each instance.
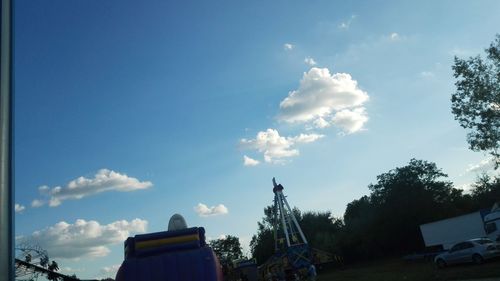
(282, 209)
(275, 224)
(295, 221)
(6, 180)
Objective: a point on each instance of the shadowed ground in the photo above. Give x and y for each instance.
(387, 270)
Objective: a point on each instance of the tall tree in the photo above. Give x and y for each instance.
(476, 102)
(387, 221)
(228, 249)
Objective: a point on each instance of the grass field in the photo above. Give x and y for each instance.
(388, 270)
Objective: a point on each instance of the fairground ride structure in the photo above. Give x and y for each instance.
(289, 241)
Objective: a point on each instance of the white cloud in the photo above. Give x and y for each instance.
(485, 165)
(320, 123)
(305, 138)
(466, 187)
(350, 121)
(204, 211)
(247, 161)
(104, 180)
(276, 147)
(288, 46)
(310, 61)
(394, 36)
(85, 238)
(19, 208)
(319, 96)
(37, 203)
(346, 24)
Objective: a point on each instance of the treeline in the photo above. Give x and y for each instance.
(385, 222)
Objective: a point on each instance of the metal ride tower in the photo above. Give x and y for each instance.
(287, 230)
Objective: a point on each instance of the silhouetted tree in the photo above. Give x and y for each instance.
(476, 102)
(486, 191)
(320, 229)
(228, 249)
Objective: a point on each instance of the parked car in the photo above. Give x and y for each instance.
(474, 250)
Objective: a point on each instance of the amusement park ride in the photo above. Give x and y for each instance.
(290, 244)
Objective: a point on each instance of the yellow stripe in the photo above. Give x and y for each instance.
(166, 241)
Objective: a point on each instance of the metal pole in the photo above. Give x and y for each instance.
(280, 202)
(295, 221)
(275, 223)
(6, 170)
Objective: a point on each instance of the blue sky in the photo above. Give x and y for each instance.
(155, 104)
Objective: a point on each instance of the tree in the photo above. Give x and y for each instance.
(486, 191)
(319, 228)
(228, 249)
(387, 221)
(476, 102)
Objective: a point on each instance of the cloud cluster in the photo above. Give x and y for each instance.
(288, 47)
(275, 147)
(18, 208)
(104, 180)
(85, 238)
(323, 99)
(204, 211)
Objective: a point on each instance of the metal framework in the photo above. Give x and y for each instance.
(287, 229)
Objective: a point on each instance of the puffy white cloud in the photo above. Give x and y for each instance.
(84, 238)
(394, 36)
(204, 211)
(319, 96)
(350, 121)
(247, 161)
(19, 208)
(37, 203)
(310, 61)
(276, 147)
(104, 180)
(485, 165)
(288, 46)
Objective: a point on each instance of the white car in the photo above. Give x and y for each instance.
(474, 250)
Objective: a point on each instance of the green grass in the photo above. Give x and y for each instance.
(388, 270)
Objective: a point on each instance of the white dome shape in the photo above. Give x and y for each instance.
(176, 222)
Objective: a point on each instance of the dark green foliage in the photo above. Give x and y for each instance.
(227, 249)
(385, 222)
(486, 191)
(476, 103)
(318, 227)
(388, 220)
